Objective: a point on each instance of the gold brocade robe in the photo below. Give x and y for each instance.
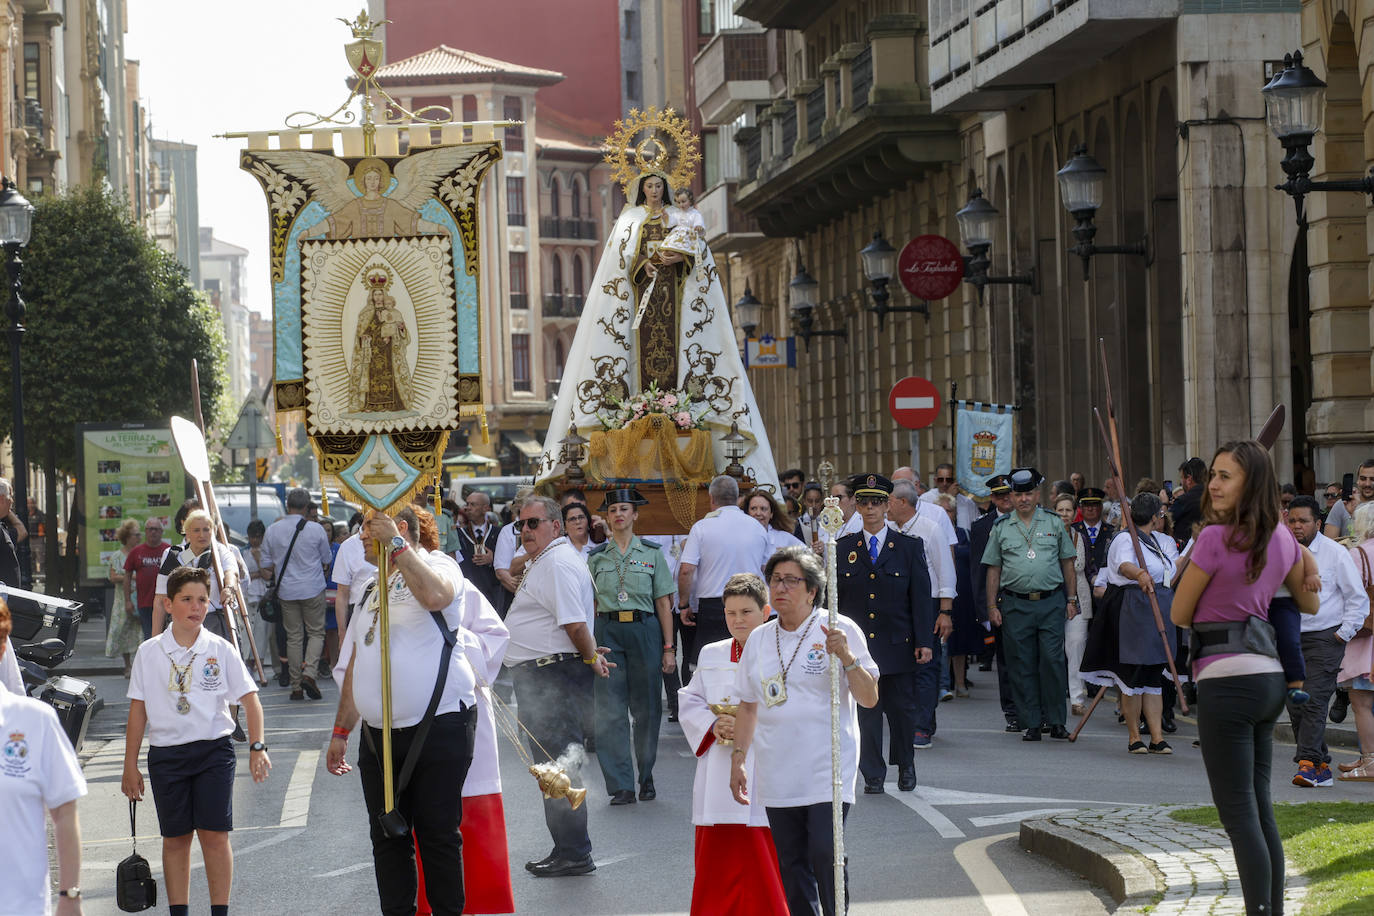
(658, 328)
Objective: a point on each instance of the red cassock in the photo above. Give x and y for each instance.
(486, 866)
(737, 872)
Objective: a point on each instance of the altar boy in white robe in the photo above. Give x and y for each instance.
(736, 864)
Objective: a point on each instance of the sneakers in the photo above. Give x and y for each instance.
(1312, 775)
(946, 696)
(921, 742)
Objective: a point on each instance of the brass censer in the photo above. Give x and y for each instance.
(554, 782)
(725, 708)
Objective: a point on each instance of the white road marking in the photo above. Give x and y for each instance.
(943, 825)
(938, 796)
(996, 893)
(1013, 817)
(914, 403)
(344, 871)
(296, 808)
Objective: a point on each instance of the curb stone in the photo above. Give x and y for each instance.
(1127, 877)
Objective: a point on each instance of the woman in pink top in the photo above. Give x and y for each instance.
(1238, 562)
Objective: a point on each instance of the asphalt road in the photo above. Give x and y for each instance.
(301, 840)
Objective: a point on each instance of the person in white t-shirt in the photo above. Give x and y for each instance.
(182, 685)
(421, 584)
(783, 686)
(38, 771)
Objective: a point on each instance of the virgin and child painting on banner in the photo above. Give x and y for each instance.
(375, 289)
(982, 444)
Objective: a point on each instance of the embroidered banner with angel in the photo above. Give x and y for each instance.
(377, 325)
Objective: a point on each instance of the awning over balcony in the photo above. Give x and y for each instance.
(781, 14)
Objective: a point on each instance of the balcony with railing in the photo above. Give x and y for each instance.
(986, 55)
(862, 129)
(728, 228)
(730, 73)
(519, 300)
(570, 228)
(563, 305)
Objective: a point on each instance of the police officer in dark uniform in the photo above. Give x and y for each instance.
(978, 542)
(1097, 532)
(884, 586)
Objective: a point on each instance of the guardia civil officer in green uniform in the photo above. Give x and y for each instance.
(634, 619)
(1029, 558)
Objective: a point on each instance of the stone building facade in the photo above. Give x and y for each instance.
(883, 116)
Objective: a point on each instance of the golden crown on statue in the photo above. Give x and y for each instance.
(376, 278)
(653, 140)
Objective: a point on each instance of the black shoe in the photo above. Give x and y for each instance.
(1059, 732)
(623, 797)
(283, 678)
(531, 866)
(1013, 726)
(557, 868)
(906, 778)
(311, 689)
(1044, 729)
(672, 715)
(646, 790)
(1169, 725)
(1339, 706)
(873, 786)
(1032, 734)
(985, 666)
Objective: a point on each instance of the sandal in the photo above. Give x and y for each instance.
(1161, 747)
(1363, 773)
(1137, 747)
(1363, 760)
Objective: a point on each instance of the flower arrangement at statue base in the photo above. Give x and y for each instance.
(675, 406)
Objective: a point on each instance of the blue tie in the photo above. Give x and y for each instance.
(873, 548)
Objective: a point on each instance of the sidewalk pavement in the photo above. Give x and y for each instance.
(1145, 858)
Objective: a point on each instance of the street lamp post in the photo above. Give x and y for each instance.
(16, 222)
(880, 263)
(802, 291)
(977, 221)
(1293, 103)
(1081, 183)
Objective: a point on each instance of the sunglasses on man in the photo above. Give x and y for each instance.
(532, 523)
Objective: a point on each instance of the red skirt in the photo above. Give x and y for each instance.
(737, 872)
(486, 865)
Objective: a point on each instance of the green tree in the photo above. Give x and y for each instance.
(112, 327)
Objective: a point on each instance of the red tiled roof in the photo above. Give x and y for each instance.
(445, 63)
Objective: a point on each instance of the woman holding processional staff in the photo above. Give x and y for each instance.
(783, 686)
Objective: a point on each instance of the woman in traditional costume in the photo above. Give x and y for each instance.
(736, 863)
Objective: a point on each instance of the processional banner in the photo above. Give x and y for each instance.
(982, 444)
(377, 318)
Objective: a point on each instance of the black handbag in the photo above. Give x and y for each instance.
(135, 887)
(269, 608)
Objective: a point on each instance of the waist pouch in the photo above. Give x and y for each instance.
(1251, 635)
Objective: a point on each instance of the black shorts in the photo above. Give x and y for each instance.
(193, 786)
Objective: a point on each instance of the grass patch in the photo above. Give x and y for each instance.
(1332, 843)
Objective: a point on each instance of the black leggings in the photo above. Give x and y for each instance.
(1236, 717)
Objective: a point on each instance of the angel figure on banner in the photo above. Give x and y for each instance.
(380, 380)
(656, 306)
(369, 199)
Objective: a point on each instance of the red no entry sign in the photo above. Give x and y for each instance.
(914, 402)
(930, 267)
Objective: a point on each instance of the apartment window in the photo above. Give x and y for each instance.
(576, 199)
(513, 110)
(631, 85)
(520, 362)
(519, 287)
(555, 192)
(707, 21)
(578, 286)
(631, 26)
(515, 201)
(31, 69)
(469, 108)
(557, 275)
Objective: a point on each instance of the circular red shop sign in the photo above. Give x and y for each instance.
(930, 267)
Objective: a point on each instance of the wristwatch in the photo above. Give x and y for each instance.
(398, 545)
(256, 746)
(71, 893)
(1073, 599)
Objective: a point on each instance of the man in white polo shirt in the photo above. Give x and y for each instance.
(718, 546)
(552, 658)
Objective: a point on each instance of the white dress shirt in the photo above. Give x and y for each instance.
(507, 541)
(939, 558)
(218, 678)
(1344, 603)
(725, 542)
(965, 509)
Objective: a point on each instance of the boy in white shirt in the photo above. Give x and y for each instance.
(182, 686)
